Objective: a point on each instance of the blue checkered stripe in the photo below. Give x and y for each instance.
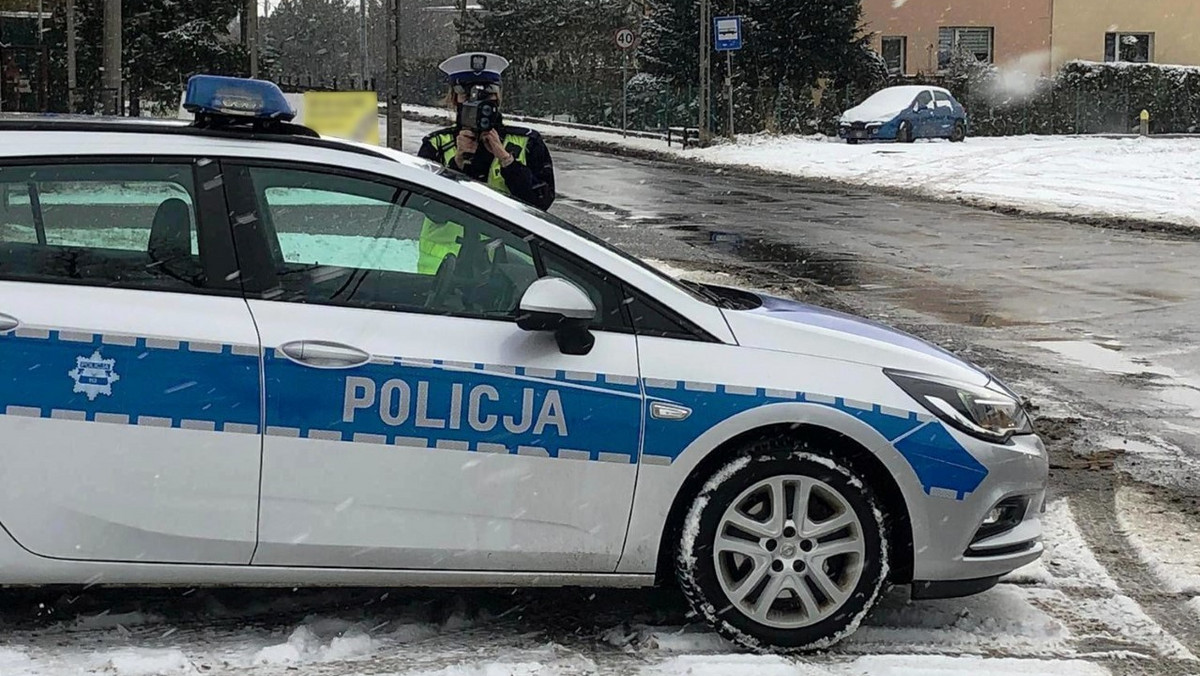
(600, 413)
(153, 382)
(943, 466)
(162, 382)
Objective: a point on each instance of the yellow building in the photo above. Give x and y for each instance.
(1145, 31)
(1034, 36)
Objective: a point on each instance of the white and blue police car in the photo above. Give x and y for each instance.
(222, 364)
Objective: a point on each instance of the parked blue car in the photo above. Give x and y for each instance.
(905, 114)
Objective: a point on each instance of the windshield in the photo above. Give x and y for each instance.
(888, 101)
(693, 289)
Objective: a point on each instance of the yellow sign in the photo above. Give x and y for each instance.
(349, 115)
(1145, 116)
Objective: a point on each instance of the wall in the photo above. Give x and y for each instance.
(1080, 25)
(1022, 28)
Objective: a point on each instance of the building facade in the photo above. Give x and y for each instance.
(1146, 31)
(918, 36)
(1035, 36)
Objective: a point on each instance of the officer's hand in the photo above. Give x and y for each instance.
(491, 141)
(466, 144)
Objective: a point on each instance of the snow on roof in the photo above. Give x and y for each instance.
(887, 103)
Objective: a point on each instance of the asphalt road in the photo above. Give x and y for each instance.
(1097, 326)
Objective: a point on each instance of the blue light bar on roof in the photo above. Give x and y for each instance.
(236, 97)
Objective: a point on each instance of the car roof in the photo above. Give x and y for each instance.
(34, 138)
(916, 89)
(283, 133)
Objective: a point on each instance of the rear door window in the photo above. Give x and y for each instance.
(120, 224)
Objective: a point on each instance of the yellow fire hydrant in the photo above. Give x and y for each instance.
(1145, 123)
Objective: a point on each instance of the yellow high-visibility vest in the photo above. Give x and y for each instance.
(439, 240)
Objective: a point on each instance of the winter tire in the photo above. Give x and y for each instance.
(905, 133)
(959, 134)
(783, 550)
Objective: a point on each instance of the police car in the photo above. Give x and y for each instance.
(219, 365)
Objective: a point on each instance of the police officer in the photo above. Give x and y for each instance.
(511, 160)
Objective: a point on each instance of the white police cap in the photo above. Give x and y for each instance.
(472, 67)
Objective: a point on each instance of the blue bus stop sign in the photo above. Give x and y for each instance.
(728, 33)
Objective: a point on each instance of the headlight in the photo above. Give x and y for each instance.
(991, 413)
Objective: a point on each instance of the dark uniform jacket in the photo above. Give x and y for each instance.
(529, 178)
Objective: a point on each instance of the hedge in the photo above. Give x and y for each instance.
(1082, 98)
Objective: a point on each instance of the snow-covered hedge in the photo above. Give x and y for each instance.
(1082, 98)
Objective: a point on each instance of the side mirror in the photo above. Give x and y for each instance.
(558, 305)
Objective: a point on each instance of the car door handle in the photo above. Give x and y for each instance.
(8, 323)
(323, 354)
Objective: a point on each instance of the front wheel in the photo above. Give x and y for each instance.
(783, 550)
(905, 133)
(959, 134)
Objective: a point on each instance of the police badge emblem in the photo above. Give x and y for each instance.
(94, 375)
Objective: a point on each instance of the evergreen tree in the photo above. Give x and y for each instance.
(164, 43)
(564, 59)
(791, 48)
(316, 40)
(670, 42)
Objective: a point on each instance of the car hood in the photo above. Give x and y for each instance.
(870, 115)
(790, 326)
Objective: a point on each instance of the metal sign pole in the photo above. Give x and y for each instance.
(626, 39)
(727, 32)
(704, 97)
(729, 90)
(624, 93)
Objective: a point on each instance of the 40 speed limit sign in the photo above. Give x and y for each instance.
(626, 39)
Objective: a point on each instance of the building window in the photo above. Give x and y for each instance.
(1132, 47)
(895, 54)
(978, 41)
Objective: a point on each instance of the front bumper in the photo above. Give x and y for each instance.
(945, 543)
(861, 131)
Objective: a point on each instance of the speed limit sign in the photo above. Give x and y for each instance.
(625, 38)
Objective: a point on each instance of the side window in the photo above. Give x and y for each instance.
(131, 225)
(650, 320)
(943, 100)
(340, 240)
(606, 293)
(924, 99)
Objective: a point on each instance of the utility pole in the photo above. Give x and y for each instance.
(362, 42)
(250, 21)
(705, 72)
(395, 63)
(265, 29)
(71, 81)
(462, 26)
(112, 101)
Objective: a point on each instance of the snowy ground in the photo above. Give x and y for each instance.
(1132, 178)
(1063, 616)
